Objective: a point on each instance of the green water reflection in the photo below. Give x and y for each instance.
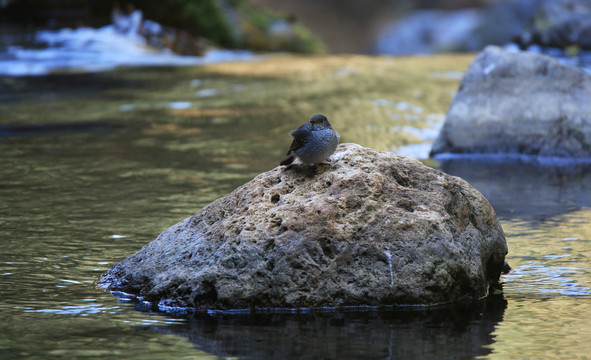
(74, 201)
(545, 213)
(71, 206)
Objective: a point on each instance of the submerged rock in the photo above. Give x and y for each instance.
(371, 228)
(516, 102)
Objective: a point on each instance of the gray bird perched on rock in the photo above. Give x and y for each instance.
(313, 142)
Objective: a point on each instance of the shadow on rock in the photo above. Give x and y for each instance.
(458, 332)
(526, 191)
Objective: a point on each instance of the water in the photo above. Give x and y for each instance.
(94, 166)
(88, 50)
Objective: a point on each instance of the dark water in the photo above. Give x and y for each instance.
(460, 332)
(93, 167)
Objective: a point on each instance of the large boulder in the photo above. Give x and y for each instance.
(517, 102)
(371, 228)
(429, 31)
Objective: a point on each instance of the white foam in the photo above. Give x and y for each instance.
(92, 50)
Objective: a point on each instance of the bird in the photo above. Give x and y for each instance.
(313, 142)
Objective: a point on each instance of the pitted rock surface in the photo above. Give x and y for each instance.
(369, 228)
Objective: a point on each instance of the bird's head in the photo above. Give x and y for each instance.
(319, 120)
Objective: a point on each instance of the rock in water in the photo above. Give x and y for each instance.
(560, 23)
(519, 103)
(373, 228)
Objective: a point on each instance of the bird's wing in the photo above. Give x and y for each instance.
(300, 138)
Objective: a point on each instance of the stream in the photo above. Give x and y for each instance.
(95, 165)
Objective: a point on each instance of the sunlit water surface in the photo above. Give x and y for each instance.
(93, 167)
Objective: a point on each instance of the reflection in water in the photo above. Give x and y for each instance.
(545, 213)
(556, 280)
(535, 327)
(43, 129)
(552, 258)
(461, 332)
(525, 191)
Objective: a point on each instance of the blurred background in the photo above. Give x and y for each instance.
(195, 27)
(335, 26)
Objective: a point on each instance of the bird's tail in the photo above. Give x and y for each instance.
(288, 160)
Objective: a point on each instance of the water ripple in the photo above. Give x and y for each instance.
(558, 280)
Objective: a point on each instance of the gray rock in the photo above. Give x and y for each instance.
(372, 228)
(553, 23)
(504, 21)
(436, 31)
(428, 32)
(516, 102)
(560, 23)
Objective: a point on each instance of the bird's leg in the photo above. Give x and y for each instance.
(311, 170)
